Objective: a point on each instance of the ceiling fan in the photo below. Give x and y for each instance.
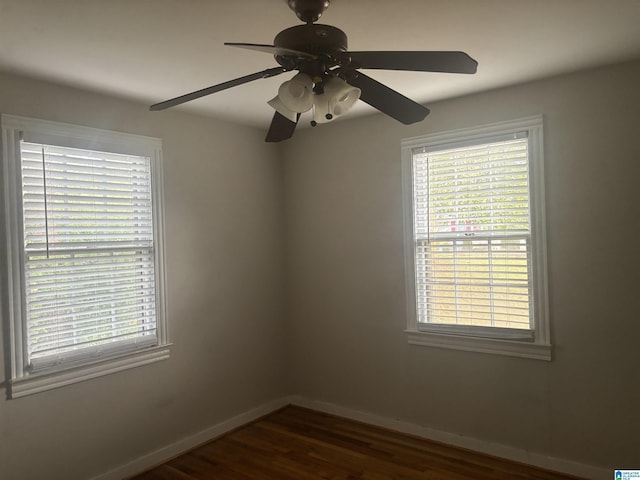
(328, 81)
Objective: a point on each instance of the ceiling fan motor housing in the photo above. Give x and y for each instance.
(312, 38)
(325, 41)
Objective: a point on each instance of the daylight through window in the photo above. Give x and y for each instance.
(84, 243)
(88, 251)
(475, 242)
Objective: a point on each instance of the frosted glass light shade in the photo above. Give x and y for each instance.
(281, 108)
(342, 96)
(321, 111)
(337, 99)
(297, 94)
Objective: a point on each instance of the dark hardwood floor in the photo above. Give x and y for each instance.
(300, 444)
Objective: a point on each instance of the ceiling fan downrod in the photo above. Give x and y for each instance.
(308, 11)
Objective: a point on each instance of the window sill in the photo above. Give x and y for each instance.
(40, 382)
(511, 348)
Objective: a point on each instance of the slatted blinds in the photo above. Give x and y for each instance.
(88, 252)
(473, 234)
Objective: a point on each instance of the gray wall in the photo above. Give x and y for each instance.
(285, 275)
(224, 237)
(346, 302)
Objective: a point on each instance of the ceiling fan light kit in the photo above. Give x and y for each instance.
(329, 80)
(297, 96)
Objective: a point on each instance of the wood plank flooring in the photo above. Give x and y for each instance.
(300, 444)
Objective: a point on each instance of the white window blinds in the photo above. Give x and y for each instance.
(473, 234)
(88, 253)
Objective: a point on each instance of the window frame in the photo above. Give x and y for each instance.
(482, 339)
(14, 128)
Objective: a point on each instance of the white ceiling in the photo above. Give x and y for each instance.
(153, 50)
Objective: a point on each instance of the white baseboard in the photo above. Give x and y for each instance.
(168, 452)
(183, 445)
(498, 450)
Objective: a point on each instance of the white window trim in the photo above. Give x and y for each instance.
(436, 336)
(22, 382)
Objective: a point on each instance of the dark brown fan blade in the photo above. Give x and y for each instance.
(281, 128)
(451, 62)
(270, 72)
(273, 50)
(388, 101)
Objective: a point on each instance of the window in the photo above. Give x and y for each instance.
(83, 224)
(475, 241)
